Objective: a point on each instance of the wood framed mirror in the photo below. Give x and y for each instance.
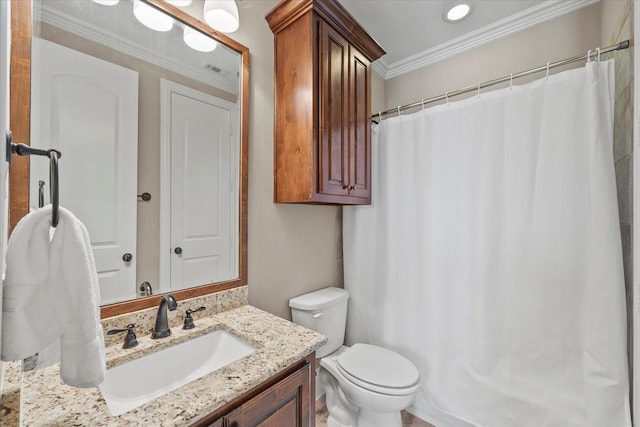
(229, 94)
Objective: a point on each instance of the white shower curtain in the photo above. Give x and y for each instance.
(491, 255)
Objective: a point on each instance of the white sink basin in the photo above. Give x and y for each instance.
(135, 383)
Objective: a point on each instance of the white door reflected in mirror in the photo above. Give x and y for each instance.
(108, 122)
(89, 112)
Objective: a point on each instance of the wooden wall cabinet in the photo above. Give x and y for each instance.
(286, 400)
(322, 104)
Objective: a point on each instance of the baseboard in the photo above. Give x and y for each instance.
(432, 415)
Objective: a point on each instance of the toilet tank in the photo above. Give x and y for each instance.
(324, 311)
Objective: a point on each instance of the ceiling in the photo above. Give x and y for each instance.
(414, 33)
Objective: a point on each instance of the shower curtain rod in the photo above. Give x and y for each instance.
(592, 53)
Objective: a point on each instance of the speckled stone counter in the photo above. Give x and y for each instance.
(46, 401)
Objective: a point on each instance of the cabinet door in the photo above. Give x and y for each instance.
(360, 125)
(333, 147)
(285, 404)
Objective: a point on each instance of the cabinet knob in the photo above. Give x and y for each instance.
(345, 187)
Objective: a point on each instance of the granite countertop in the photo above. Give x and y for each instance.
(47, 401)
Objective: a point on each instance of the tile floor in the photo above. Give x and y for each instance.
(408, 420)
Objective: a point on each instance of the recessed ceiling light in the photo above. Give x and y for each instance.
(458, 12)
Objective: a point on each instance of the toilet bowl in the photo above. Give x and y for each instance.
(365, 385)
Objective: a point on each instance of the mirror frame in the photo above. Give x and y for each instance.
(20, 123)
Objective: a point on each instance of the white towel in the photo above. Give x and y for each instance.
(51, 298)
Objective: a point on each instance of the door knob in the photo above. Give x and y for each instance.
(178, 250)
(127, 257)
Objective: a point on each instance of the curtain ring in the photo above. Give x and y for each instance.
(399, 110)
(511, 80)
(422, 104)
(446, 96)
(478, 89)
(547, 70)
(589, 56)
(379, 116)
(598, 50)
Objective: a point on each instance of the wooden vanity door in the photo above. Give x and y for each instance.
(333, 92)
(285, 404)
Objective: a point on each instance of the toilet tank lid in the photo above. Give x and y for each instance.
(319, 299)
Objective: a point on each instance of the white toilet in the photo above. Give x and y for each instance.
(365, 385)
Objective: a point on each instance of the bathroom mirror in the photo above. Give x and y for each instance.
(150, 114)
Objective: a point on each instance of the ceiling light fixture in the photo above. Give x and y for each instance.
(151, 17)
(458, 11)
(107, 2)
(179, 3)
(222, 15)
(198, 41)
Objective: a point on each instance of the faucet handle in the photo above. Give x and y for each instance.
(130, 340)
(188, 321)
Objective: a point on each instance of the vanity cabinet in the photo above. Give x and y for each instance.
(286, 400)
(322, 104)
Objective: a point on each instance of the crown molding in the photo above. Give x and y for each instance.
(129, 47)
(543, 12)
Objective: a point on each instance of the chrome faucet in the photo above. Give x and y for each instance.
(145, 289)
(161, 329)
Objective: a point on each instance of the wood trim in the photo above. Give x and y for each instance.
(334, 13)
(286, 12)
(153, 301)
(20, 107)
(244, 171)
(21, 23)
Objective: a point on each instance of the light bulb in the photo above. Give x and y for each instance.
(198, 41)
(107, 2)
(179, 3)
(222, 15)
(151, 17)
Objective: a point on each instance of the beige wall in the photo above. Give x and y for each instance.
(293, 249)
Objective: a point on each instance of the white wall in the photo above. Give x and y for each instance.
(293, 249)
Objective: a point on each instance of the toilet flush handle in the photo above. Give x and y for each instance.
(315, 316)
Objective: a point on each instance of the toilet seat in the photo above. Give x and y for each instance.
(379, 370)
